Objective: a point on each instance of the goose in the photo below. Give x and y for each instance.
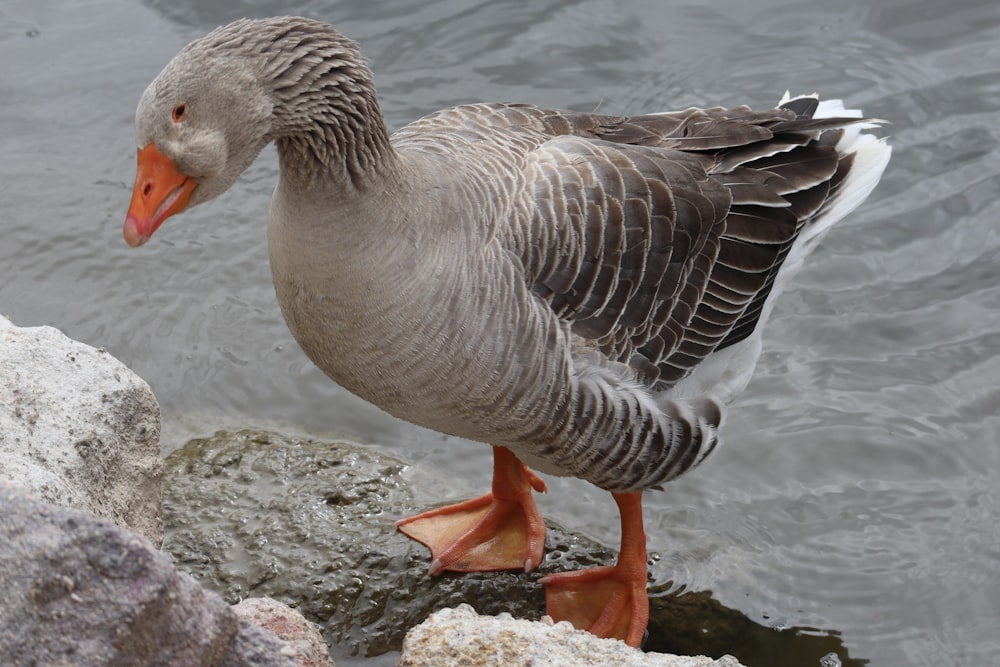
(585, 293)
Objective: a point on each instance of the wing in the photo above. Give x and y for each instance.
(658, 237)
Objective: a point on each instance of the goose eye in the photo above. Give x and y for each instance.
(179, 112)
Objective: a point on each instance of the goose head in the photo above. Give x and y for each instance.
(213, 108)
(199, 125)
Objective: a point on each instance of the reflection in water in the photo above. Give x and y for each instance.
(694, 623)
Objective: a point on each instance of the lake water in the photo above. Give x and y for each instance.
(858, 490)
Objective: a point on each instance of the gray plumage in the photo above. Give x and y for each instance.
(585, 290)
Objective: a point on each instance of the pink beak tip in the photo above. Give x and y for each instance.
(131, 232)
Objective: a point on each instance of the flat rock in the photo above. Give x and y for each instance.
(79, 429)
(312, 524)
(462, 638)
(79, 591)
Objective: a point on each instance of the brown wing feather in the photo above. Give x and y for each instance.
(629, 261)
(669, 229)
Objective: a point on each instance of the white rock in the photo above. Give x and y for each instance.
(461, 637)
(79, 429)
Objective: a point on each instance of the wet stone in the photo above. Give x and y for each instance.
(312, 524)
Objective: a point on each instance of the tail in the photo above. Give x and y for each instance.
(865, 158)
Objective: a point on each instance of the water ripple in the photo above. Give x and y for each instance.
(855, 492)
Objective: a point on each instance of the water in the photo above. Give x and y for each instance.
(858, 489)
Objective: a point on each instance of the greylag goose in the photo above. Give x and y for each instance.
(583, 292)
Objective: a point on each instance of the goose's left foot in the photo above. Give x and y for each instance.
(608, 601)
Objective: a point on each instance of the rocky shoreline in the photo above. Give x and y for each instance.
(110, 555)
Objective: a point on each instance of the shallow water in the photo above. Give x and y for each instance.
(858, 490)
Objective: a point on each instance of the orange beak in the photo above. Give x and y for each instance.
(160, 191)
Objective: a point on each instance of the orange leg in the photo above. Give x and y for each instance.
(502, 530)
(608, 601)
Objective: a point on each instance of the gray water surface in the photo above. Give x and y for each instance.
(858, 490)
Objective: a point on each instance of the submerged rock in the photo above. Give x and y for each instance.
(79, 591)
(462, 638)
(79, 429)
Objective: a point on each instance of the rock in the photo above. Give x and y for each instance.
(312, 524)
(462, 638)
(79, 591)
(79, 429)
(302, 637)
